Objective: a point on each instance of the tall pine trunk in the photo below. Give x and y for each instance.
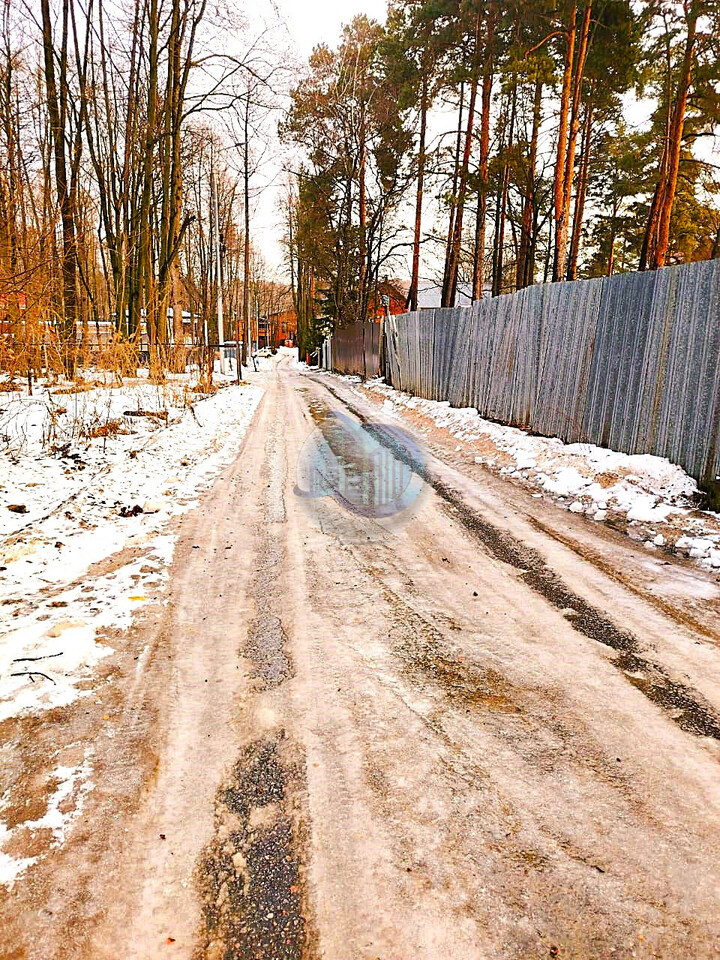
(453, 201)
(363, 280)
(660, 236)
(450, 291)
(524, 273)
(611, 249)
(412, 299)
(581, 193)
(501, 206)
(485, 100)
(570, 101)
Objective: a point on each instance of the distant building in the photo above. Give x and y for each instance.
(392, 292)
(277, 327)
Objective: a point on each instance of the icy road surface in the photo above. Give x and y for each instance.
(487, 729)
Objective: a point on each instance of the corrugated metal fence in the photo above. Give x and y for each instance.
(355, 349)
(630, 362)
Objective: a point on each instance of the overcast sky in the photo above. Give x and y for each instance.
(309, 22)
(319, 21)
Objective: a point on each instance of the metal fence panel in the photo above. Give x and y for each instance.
(459, 366)
(631, 362)
(424, 354)
(355, 349)
(568, 325)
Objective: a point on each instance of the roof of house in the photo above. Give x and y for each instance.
(398, 289)
(430, 295)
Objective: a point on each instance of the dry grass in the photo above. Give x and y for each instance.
(120, 357)
(110, 429)
(610, 478)
(176, 379)
(81, 387)
(38, 354)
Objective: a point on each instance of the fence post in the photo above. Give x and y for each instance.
(381, 346)
(381, 349)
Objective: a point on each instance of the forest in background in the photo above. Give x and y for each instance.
(130, 141)
(491, 145)
(479, 146)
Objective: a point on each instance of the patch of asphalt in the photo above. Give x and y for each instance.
(682, 704)
(267, 639)
(266, 649)
(250, 876)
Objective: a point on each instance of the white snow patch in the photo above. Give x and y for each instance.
(72, 785)
(73, 497)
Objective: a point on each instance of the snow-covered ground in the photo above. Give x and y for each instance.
(653, 499)
(71, 465)
(91, 478)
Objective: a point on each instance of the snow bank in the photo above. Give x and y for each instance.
(643, 491)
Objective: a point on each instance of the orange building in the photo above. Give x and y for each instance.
(277, 327)
(392, 293)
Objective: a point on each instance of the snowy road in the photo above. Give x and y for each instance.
(487, 729)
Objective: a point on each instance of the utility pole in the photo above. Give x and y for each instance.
(218, 271)
(246, 252)
(238, 358)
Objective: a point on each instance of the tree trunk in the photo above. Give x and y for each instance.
(363, 285)
(129, 318)
(449, 295)
(611, 251)
(658, 251)
(412, 299)
(567, 140)
(452, 280)
(451, 290)
(456, 174)
(246, 245)
(549, 253)
(145, 270)
(524, 275)
(485, 100)
(581, 194)
(179, 353)
(501, 208)
(651, 228)
(169, 173)
(559, 182)
(715, 252)
(57, 111)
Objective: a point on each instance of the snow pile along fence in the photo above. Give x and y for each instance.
(630, 362)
